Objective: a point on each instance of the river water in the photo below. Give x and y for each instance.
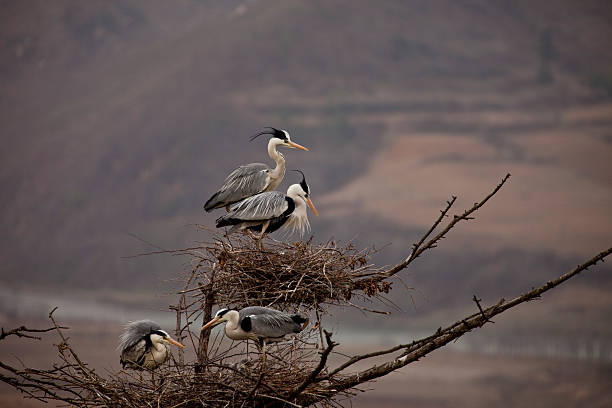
(20, 306)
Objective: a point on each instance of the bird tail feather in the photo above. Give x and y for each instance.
(212, 203)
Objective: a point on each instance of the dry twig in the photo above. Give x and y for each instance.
(288, 276)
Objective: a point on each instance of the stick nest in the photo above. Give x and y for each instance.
(230, 377)
(285, 275)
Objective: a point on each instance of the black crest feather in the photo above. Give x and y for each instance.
(303, 182)
(268, 130)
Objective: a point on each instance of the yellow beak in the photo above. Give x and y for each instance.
(297, 146)
(312, 207)
(212, 323)
(176, 343)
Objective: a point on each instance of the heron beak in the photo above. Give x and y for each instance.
(312, 207)
(296, 146)
(212, 323)
(176, 343)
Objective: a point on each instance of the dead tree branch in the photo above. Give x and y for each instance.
(299, 276)
(310, 379)
(23, 332)
(209, 301)
(420, 348)
(419, 247)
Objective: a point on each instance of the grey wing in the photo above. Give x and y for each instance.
(268, 322)
(256, 310)
(262, 206)
(135, 331)
(133, 356)
(245, 181)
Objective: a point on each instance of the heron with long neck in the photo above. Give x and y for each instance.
(261, 324)
(254, 178)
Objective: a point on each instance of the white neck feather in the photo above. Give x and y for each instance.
(298, 220)
(156, 339)
(231, 325)
(159, 351)
(278, 172)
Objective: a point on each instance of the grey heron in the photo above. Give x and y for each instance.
(254, 178)
(269, 211)
(144, 345)
(262, 324)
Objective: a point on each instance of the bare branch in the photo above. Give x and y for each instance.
(65, 342)
(443, 337)
(293, 277)
(209, 301)
(310, 379)
(477, 301)
(21, 332)
(443, 213)
(419, 248)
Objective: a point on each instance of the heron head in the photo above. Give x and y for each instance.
(160, 336)
(279, 137)
(302, 191)
(220, 317)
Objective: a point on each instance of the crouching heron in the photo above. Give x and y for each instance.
(262, 324)
(145, 346)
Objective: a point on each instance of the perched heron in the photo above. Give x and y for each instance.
(269, 211)
(144, 345)
(254, 178)
(262, 324)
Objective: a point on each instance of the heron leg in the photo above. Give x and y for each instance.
(251, 234)
(264, 227)
(263, 354)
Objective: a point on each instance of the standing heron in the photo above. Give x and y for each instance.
(144, 345)
(262, 324)
(254, 178)
(269, 211)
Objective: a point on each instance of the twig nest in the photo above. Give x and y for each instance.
(286, 275)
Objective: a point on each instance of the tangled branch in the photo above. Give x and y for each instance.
(289, 276)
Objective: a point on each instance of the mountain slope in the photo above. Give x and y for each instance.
(115, 115)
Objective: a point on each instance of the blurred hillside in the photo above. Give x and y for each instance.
(123, 117)
(119, 119)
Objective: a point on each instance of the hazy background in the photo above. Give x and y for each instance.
(121, 118)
